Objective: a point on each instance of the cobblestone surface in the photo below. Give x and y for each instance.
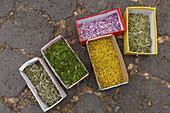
(11, 81)
(6, 6)
(150, 2)
(56, 9)
(70, 93)
(95, 6)
(5, 109)
(89, 103)
(38, 21)
(56, 112)
(28, 31)
(135, 96)
(157, 65)
(32, 109)
(123, 4)
(163, 20)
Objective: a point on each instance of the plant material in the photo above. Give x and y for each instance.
(65, 62)
(99, 27)
(105, 62)
(139, 33)
(46, 89)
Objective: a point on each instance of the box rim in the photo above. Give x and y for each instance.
(32, 61)
(83, 42)
(126, 43)
(106, 36)
(97, 14)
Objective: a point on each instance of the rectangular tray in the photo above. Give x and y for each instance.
(122, 64)
(49, 44)
(33, 89)
(151, 12)
(99, 16)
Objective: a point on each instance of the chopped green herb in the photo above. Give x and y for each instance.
(139, 33)
(65, 62)
(46, 89)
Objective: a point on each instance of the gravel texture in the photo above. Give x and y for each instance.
(89, 103)
(95, 6)
(150, 2)
(163, 20)
(5, 109)
(56, 9)
(11, 82)
(123, 4)
(28, 31)
(56, 112)
(70, 93)
(157, 65)
(6, 6)
(32, 109)
(134, 97)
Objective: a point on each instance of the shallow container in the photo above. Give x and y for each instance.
(122, 64)
(48, 45)
(101, 25)
(151, 12)
(43, 106)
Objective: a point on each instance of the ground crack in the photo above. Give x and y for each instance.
(22, 51)
(155, 78)
(162, 39)
(20, 8)
(18, 103)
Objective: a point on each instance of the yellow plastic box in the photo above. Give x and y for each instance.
(151, 12)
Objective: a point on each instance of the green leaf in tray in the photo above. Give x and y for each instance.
(65, 62)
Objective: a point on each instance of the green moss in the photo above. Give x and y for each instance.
(139, 33)
(46, 89)
(65, 62)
